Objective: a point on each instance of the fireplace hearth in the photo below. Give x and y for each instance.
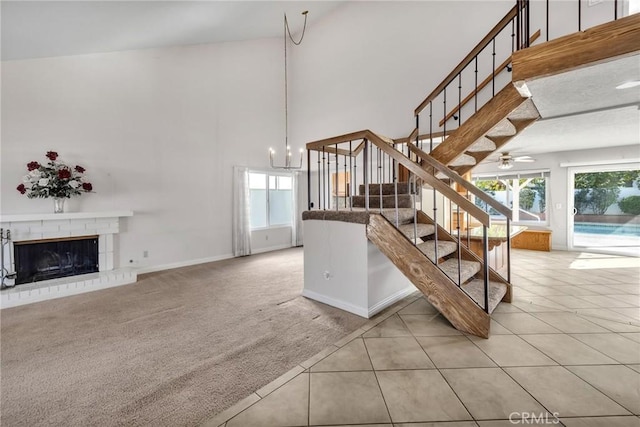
(54, 258)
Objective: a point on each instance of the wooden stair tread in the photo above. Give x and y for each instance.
(463, 160)
(405, 215)
(387, 189)
(526, 111)
(482, 144)
(475, 289)
(503, 128)
(422, 229)
(388, 201)
(445, 247)
(468, 269)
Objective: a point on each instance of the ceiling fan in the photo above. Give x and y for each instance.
(506, 160)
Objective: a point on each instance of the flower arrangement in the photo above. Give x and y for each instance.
(55, 179)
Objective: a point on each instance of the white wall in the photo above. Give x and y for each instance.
(158, 130)
(345, 270)
(369, 64)
(559, 191)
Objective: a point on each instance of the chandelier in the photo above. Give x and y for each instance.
(287, 149)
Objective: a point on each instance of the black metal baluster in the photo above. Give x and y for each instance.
(444, 125)
(475, 92)
(366, 177)
(324, 205)
(493, 67)
(346, 185)
(379, 181)
(328, 180)
(547, 20)
(459, 245)
(579, 15)
(485, 256)
(308, 180)
(319, 180)
(337, 180)
(459, 100)
(351, 177)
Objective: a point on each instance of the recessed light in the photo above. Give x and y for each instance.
(628, 85)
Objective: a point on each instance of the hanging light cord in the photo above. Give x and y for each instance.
(287, 32)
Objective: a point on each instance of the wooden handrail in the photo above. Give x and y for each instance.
(387, 146)
(482, 216)
(462, 182)
(353, 136)
(467, 60)
(484, 83)
(423, 136)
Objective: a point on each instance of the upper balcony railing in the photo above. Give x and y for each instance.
(485, 70)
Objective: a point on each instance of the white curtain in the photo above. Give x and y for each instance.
(241, 212)
(298, 199)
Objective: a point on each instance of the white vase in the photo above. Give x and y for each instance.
(58, 204)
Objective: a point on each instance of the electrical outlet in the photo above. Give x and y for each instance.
(145, 254)
(594, 2)
(326, 275)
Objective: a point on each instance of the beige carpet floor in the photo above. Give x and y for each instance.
(171, 350)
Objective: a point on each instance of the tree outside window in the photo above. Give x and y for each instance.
(527, 192)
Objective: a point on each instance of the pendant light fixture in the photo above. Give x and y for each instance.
(287, 148)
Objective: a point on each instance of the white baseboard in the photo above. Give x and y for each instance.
(161, 267)
(360, 311)
(390, 300)
(270, 249)
(342, 305)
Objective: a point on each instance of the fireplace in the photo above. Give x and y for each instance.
(53, 258)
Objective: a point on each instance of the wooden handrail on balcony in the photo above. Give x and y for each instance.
(467, 60)
(441, 167)
(484, 83)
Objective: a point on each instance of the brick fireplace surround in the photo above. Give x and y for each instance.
(33, 227)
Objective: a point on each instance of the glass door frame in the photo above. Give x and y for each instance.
(571, 175)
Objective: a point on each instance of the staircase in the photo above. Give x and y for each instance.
(431, 249)
(464, 270)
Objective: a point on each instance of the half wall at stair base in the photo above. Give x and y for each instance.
(345, 270)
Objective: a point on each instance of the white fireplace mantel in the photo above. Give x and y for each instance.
(59, 216)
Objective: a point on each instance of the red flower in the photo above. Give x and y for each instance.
(33, 166)
(52, 155)
(80, 169)
(86, 186)
(64, 174)
(21, 188)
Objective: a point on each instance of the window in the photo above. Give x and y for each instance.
(271, 199)
(528, 191)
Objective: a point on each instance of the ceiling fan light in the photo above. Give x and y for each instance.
(505, 164)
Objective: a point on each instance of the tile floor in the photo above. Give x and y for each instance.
(567, 347)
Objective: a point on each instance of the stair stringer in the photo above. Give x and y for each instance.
(454, 304)
(468, 254)
(479, 124)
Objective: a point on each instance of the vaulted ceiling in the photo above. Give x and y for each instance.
(37, 29)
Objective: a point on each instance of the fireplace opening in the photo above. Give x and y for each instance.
(54, 258)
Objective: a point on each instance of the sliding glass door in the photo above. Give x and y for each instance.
(604, 213)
